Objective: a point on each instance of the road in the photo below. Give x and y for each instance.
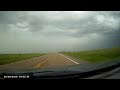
(46, 61)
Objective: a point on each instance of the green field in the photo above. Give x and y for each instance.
(10, 58)
(96, 55)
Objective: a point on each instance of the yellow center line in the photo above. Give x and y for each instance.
(39, 65)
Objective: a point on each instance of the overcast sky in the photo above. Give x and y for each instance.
(51, 31)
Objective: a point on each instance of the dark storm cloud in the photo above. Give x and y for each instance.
(109, 24)
(77, 27)
(23, 20)
(65, 21)
(52, 30)
(37, 23)
(10, 17)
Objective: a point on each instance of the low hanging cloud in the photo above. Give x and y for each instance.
(51, 31)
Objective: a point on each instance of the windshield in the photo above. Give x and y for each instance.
(56, 40)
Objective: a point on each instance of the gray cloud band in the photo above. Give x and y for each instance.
(92, 24)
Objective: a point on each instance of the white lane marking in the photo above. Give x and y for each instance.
(69, 59)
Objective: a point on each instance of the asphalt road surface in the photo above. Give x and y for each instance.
(46, 61)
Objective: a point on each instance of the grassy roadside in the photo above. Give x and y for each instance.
(96, 55)
(10, 58)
